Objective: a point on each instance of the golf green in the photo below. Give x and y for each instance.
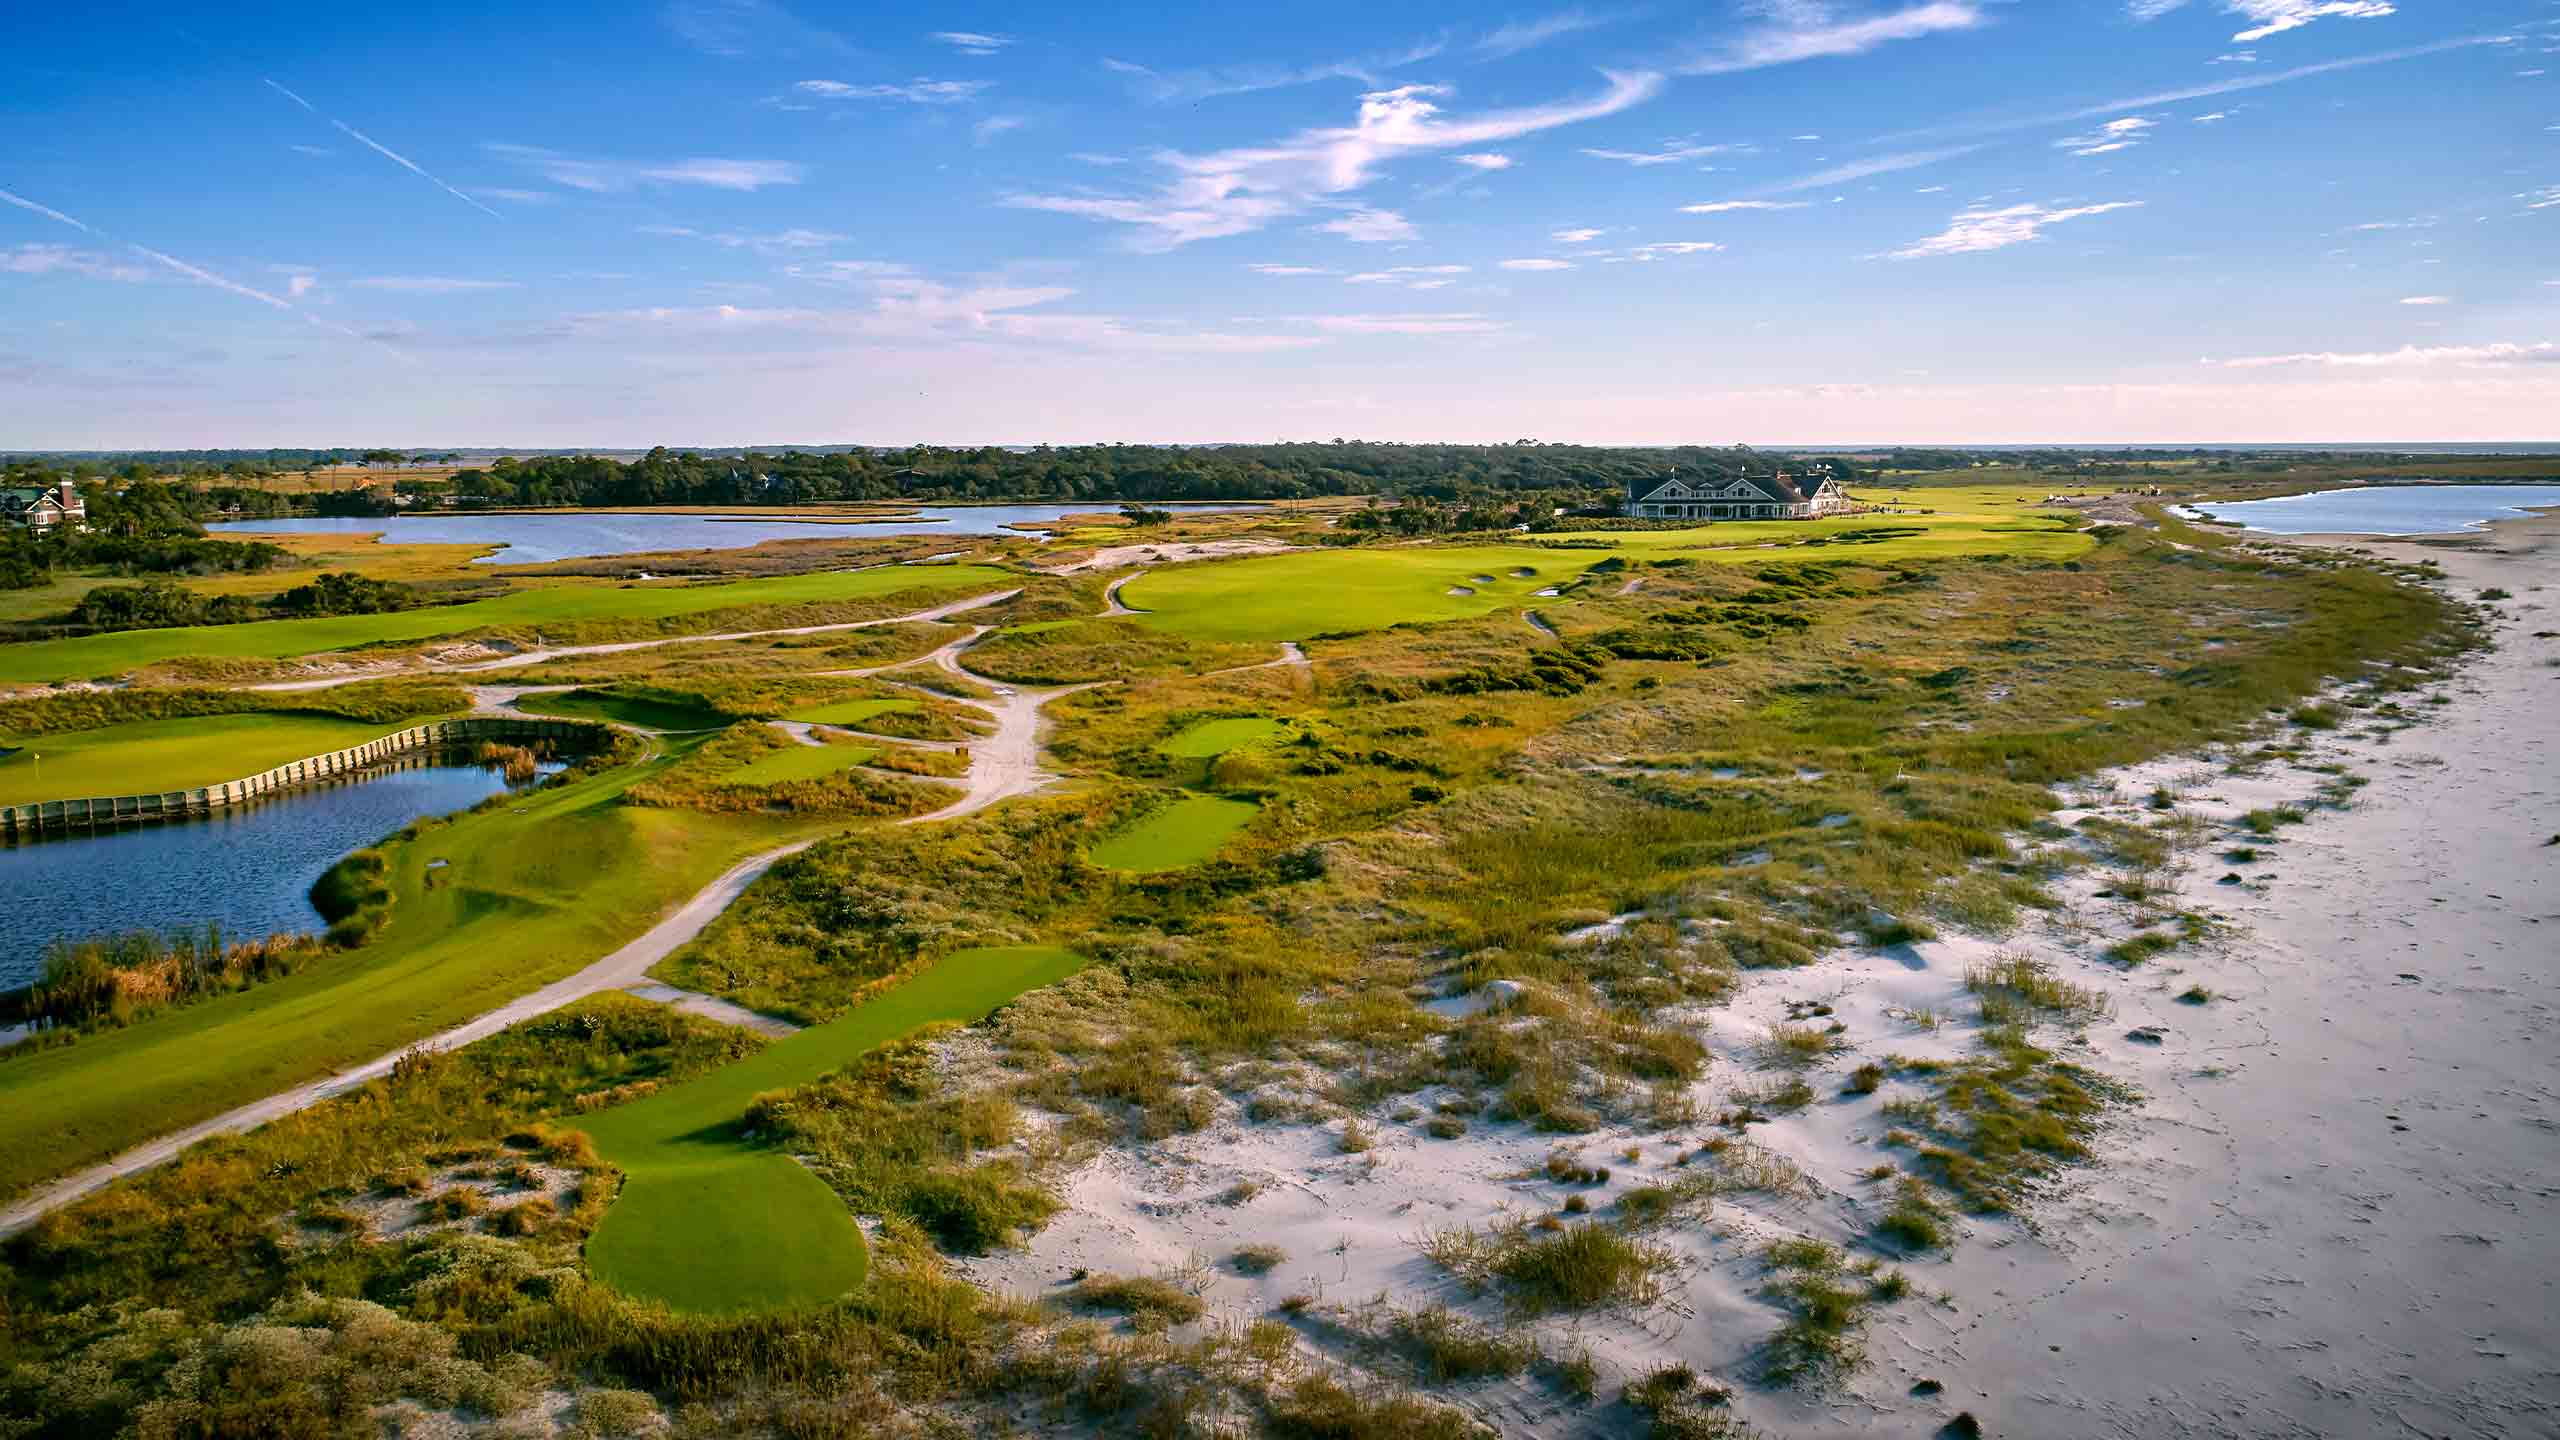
(1209, 739)
(850, 712)
(708, 1221)
(799, 762)
(150, 756)
(1186, 832)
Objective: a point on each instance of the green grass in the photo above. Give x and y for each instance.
(1181, 834)
(534, 888)
(1209, 739)
(850, 712)
(710, 1222)
(647, 712)
(799, 762)
(1291, 597)
(100, 655)
(177, 754)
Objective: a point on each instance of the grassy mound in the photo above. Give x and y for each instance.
(1209, 739)
(649, 712)
(850, 712)
(800, 762)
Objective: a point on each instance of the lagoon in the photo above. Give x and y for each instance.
(247, 870)
(2384, 509)
(535, 539)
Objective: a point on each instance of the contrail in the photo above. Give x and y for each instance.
(385, 151)
(46, 211)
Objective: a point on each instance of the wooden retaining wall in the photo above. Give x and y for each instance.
(27, 822)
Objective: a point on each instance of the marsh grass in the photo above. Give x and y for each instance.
(1576, 1267)
(2016, 986)
(1827, 1298)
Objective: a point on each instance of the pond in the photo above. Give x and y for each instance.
(247, 870)
(581, 535)
(2384, 509)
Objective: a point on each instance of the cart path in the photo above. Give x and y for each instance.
(559, 652)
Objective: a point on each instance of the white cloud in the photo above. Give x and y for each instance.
(1671, 154)
(1484, 161)
(2235, 57)
(2274, 17)
(1660, 248)
(2147, 10)
(1168, 87)
(2542, 199)
(385, 151)
(993, 126)
(1719, 207)
(1582, 236)
(1233, 191)
(1537, 264)
(1873, 165)
(2210, 118)
(1371, 227)
(1980, 230)
(317, 151)
(2119, 134)
(1096, 157)
(2502, 353)
(610, 175)
(774, 242)
(1461, 323)
(1521, 35)
(971, 42)
(298, 286)
(1289, 270)
(2426, 299)
(922, 90)
(432, 284)
(36, 258)
(516, 197)
(1810, 31)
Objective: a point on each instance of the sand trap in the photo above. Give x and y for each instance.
(1460, 590)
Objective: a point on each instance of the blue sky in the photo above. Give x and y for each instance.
(719, 222)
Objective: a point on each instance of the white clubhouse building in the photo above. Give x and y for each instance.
(1742, 497)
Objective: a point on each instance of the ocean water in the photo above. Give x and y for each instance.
(2385, 509)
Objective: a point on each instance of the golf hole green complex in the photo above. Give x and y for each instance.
(711, 1223)
(1175, 836)
(1209, 739)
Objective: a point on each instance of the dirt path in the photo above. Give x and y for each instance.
(1111, 604)
(561, 652)
(1291, 657)
(1538, 622)
(1632, 586)
(712, 1007)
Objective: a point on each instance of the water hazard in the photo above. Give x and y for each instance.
(539, 539)
(247, 870)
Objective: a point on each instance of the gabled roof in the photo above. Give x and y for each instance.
(1782, 489)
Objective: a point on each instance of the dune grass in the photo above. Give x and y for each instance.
(1209, 739)
(851, 712)
(176, 754)
(709, 1221)
(532, 889)
(102, 655)
(800, 762)
(649, 712)
(1184, 833)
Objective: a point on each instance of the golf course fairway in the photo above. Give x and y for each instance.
(711, 1223)
(1178, 836)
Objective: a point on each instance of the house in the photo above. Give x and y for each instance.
(1780, 496)
(41, 510)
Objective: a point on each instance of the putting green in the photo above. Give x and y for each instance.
(1209, 739)
(850, 712)
(1181, 834)
(709, 1222)
(95, 655)
(150, 756)
(647, 712)
(1291, 597)
(799, 762)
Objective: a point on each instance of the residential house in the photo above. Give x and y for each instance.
(41, 510)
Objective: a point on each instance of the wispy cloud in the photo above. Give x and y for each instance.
(972, 42)
(735, 28)
(1292, 270)
(602, 176)
(38, 258)
(516, 197)
(1458, 323)
(1582, 235)
(433, 284)
(2502, 353)
(1232, 192)
(1979, 230)
(2274, 17)
(1165, 87)
(1810, 30)
(1670, 154)
(1486, 160)
(385, 151)
(1659, 249)
(2118, 134)
(2426, 299)
(1519, 35)
(193, 272)
(1720, 207)
(2235, 57)
(46, 211)
(795, 240)
(1371, 227)
(1537, 265)
(923, 90)
(1410, 277)
(1847, 171)
(2211, 117)
(994, 125)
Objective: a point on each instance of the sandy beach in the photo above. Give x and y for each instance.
(2331, 1213)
